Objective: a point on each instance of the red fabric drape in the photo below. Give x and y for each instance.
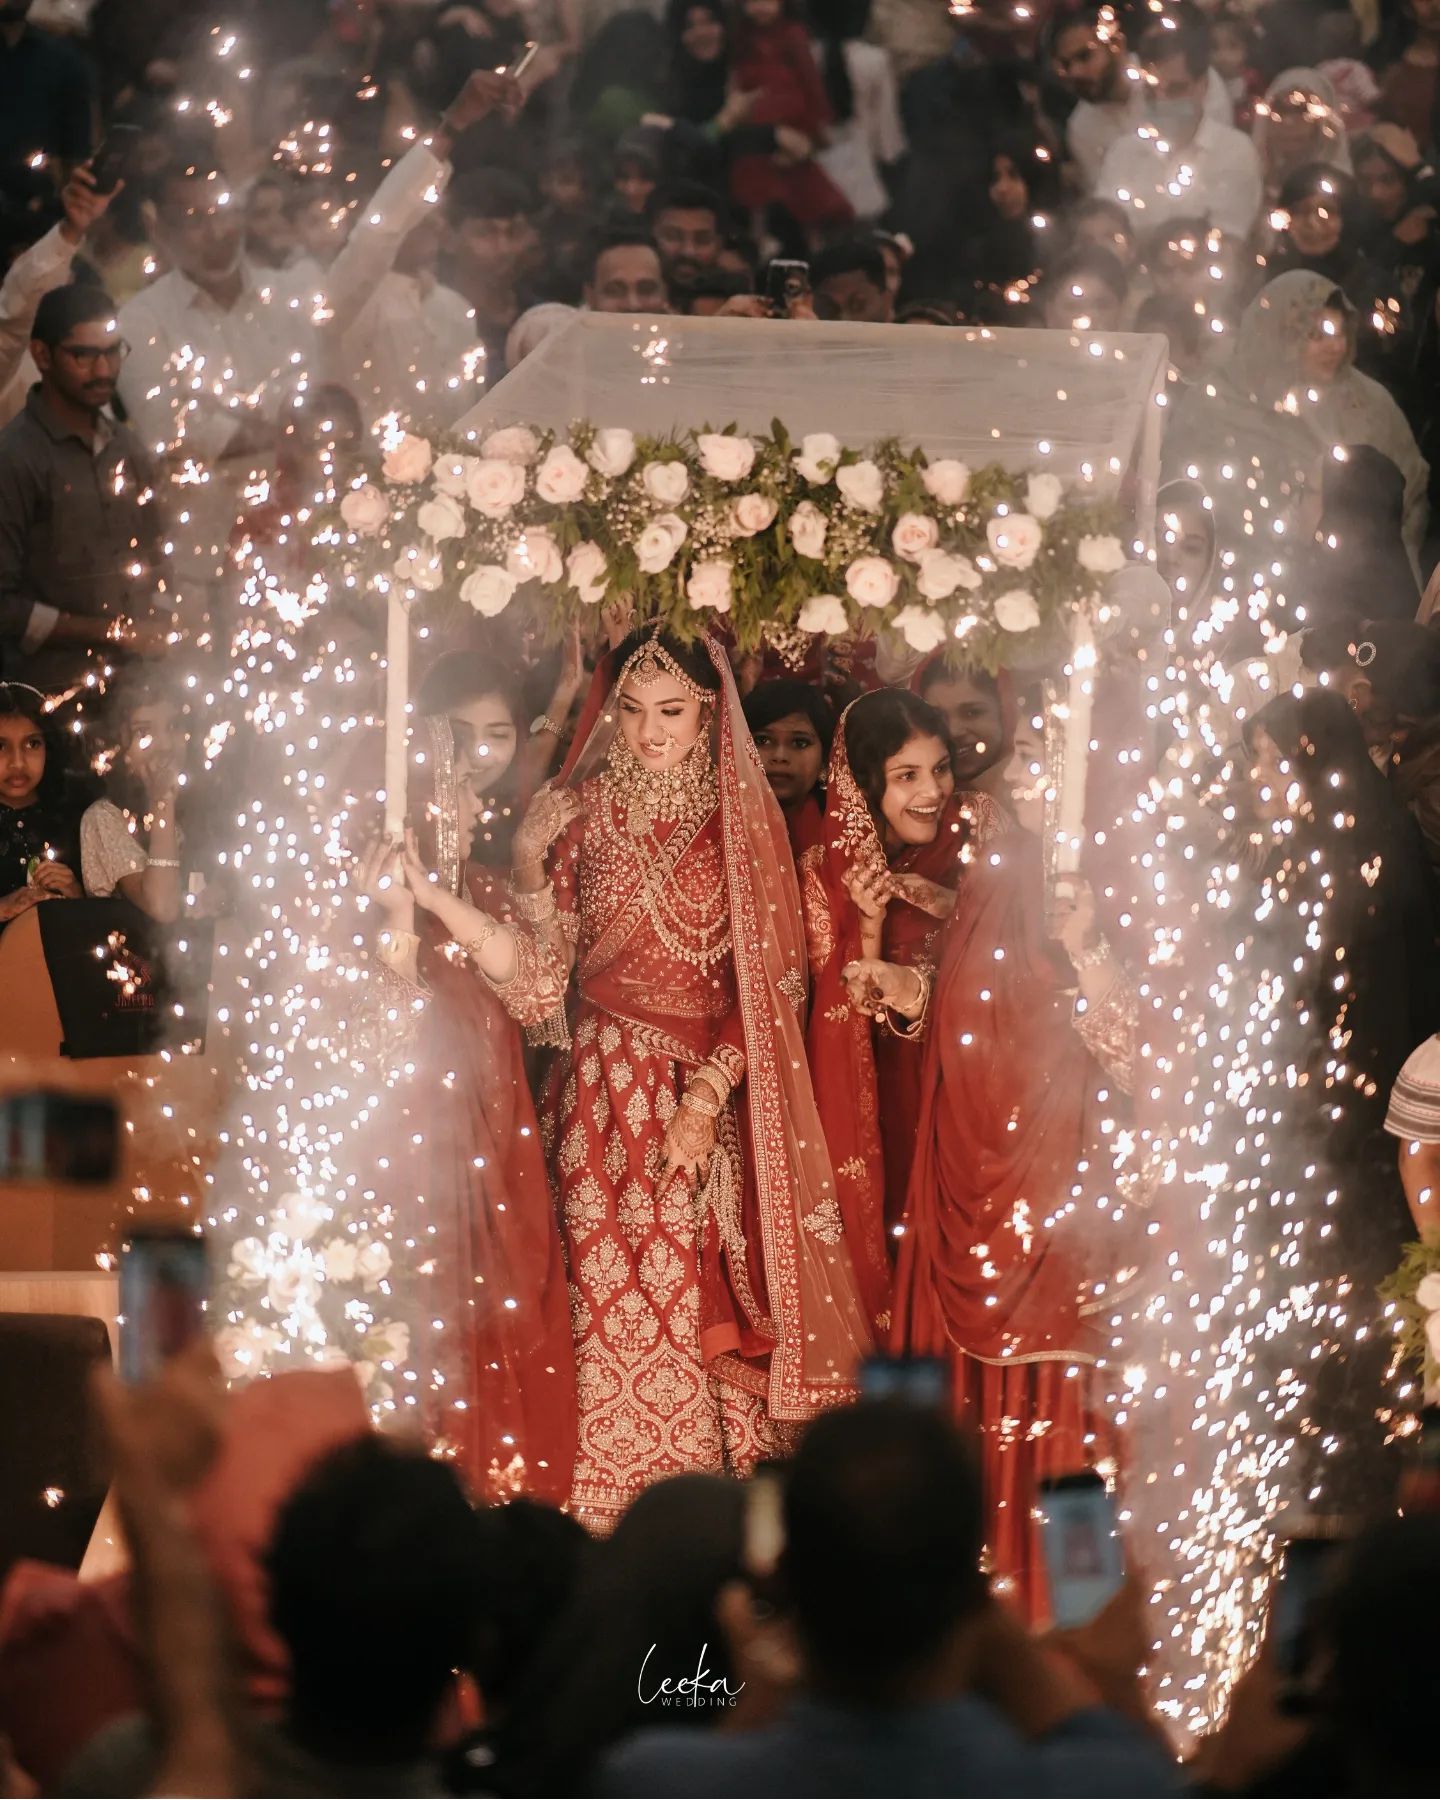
(991, 1267)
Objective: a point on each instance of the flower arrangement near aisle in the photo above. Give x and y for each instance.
(1413, 1293)
(758, 530)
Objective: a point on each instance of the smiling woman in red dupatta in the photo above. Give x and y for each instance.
(713, 1300)
(993, 1270)
(880, 887)
(478, 1166)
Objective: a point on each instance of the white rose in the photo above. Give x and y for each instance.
(656, 545)
(1043, 494)
(365, 510)
(824, 612)
(389, 1341)
(495, 486)
(941, 573)
(922, 628)
(440, 518)
(373, 1263)
(1427, 1295)
(488, 589)
(612, 451)
(726, 458)
(914, 534)
(819, 453)
(339, 1259)
(452, 473)
(808, 527)
(666, 482)
(947, 481)
(535, 556)
(1017, 611)
(872, 581)
(862, 484)
(1014, 540)
(243, 1349)
(421, 569)
(248, 1260)
(588, 573)
(409, 460)
(298, 1217)
(709, 584)
(515, 444)
(293, 1289)
(561, 477)
(1101, 555)
(752, 513)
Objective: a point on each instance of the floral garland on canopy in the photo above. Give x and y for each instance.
(816, 536)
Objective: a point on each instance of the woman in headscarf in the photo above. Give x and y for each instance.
(714, 1303)
(1298, 123)
(507, 1407)
(866, 135)
(1289, 396)
(897, 842)
(1007, 257)
(1401, 244)
(1317, 225)
(1017, 1087)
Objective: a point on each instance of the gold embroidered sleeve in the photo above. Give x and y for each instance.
(1107, 1030)
(815, 904)
(986, 818)
(535, 994)
(384, 1018)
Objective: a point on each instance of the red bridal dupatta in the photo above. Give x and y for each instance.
(993, 1269)
(481, 1169)
(790, 1217)
(857, 1082)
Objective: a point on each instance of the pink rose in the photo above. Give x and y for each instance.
(752, 513)
(914, 534)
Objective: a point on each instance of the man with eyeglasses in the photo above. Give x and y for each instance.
(81, 563)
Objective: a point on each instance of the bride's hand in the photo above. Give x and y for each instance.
(550, 813)
(381, 879)
(875, 987)
(689, 1141)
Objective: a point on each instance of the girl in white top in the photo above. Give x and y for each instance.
(866, 134)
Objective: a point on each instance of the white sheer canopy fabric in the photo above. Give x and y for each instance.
(981, 396)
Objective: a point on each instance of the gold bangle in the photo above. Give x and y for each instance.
(708, 1076)
(535, 906)
(707, 1109)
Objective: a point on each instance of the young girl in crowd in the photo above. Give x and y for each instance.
(39, 811)
(793, 724)
(897, 839)
(132, 841)
(478, 1167)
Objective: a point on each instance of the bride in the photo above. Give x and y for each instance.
(713, 1299)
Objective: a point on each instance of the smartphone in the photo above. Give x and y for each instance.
(1306, 1567)
(922, 1380)
(111, 162)
(763, 1533)
(164, 1286)
(1084, 1559)
(786, 280)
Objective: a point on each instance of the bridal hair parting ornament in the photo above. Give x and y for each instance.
(652, 662)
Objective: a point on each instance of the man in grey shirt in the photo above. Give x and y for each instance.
(81, 558)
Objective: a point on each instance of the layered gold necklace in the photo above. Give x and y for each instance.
(697, 930)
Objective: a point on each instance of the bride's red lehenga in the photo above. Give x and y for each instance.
(707, 1318)
(508, 1409)
(994, 1265)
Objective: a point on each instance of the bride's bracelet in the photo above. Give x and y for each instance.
(707, 1091)
(483, 934)
(535, 907)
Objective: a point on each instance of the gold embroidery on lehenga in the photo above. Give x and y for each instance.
(825, 1223)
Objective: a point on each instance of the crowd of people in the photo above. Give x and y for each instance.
(728, 1085)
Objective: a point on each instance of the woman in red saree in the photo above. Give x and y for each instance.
(897, 838)
(713, 1301)
(508, 1409)
(1018, 1075)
